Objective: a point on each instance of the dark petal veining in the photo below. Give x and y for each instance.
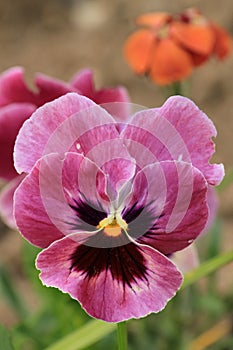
(126, 262)
(88, 213)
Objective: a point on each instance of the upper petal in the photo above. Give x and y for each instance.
(84, 83)
(50, 88)
(13, 87)
(113, 284)
(53, 129)
(114, 100)
(179, 131)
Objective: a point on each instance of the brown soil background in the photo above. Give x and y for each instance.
(59, 37)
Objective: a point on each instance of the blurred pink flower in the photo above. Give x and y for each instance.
(109, 204)
(17, 102)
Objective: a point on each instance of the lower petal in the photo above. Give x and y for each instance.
(131, 284)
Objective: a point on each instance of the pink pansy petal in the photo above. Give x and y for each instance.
(177, 130)
(113, 158)
(186, 259)
(176, 210)
(44, 124)
(32, 210)
(91, 132)
(110, 289)
(190, 120)
(47, 201)
(11, 120)
(80, 180)
(6, 201)
(13, 88)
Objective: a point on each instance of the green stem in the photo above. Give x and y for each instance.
(122, 336)
(177, 88)
(206, 268)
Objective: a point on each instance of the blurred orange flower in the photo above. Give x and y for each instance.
(167, 47)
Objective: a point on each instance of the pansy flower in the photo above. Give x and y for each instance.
(17, 102)
(167, 47)
(109, 202)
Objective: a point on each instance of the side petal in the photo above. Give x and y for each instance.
(6, 201)
(169, 63)
(127, 282)
(174, 209)
(138, 49)
(58, 197)
(177, 130)
(11, 120)
(35, 217)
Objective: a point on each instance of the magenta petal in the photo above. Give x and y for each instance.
(83, 83)
(50, 88)
(174, 205)
(11, 120)
(6, 201)
(177, 131)
(48, 124)
(105, 294)
(13, 87)
(114, 100)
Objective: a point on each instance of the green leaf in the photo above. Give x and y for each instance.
(207, 268)
(5, 341)
(8, 291)
(85, 336)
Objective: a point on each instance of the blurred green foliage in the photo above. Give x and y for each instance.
(191, 312)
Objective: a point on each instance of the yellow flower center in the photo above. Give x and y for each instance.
(112, 225)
